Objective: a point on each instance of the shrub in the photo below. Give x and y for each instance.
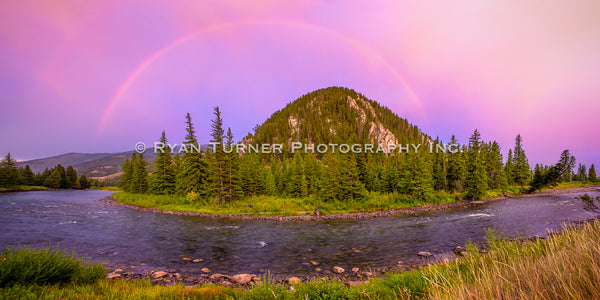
(46, 266)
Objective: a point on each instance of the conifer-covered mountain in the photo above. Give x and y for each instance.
(335, 115)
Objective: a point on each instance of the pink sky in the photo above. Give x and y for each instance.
(83, 76)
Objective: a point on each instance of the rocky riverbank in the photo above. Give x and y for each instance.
(354, 215)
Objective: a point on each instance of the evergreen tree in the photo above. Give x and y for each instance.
(329, 184)
(456, 169)
(592, 174)
(475, 181)
(508, 168)
(233, 189)
(54, 180)
(440, 169)
(163, 177)
(139, 177)
(350, 187)
(521, 172)
(565, 164)
(581, 173)
(417, 179)
(83, 182)
(193, 173)
(126, 178)
(9, 175)
(495, 168)
(71, 175)
(27, 176)
(64, 181)
(217, 158)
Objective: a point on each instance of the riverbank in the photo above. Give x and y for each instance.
(173, 206)
(564, 266)
(22, 188)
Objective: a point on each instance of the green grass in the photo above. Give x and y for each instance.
(566, 266)
(277, 206)
(45, 266)
(109, 188)
(22, 188)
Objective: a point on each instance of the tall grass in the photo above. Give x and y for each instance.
(27, 266)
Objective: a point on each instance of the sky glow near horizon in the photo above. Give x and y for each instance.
(99, 76)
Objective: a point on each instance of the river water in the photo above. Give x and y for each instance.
(136, 240)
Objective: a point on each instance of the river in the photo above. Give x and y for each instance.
(137, 240)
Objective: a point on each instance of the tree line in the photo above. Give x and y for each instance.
(54, 178)
(216, 175)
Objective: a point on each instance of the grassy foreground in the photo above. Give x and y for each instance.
(566, 266)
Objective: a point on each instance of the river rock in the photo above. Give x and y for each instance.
(159, 274)
(314, 263)
(177, 276)
(241, 278)
(118, 271)
(205, 270)
(462, 253)
(424, 254)
(293, 280)
(186, 259)
(338, 270)
(113, 275)
(355, 269)
(355, 282)
(197, 260)
(367, 274)
(459, 249)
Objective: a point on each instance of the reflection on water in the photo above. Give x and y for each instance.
(121, 237)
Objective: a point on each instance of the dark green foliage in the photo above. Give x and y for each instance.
(162, 181)
(456, 169)
(83, 182)
(54, 180)
(217, 158)
(521, 171)
(192, 174)
(232, 181)
(495, 167)
(71, 177)
(475, 180)
(139, 174)
(26, 266)
(592, 174)
(350, 186)
(27, 176)
(416, 178)
(550, 176)
(8, 172)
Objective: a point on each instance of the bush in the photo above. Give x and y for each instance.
(27, 266)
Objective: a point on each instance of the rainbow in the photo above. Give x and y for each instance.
(147, 62)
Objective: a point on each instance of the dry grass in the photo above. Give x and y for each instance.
(566, 266)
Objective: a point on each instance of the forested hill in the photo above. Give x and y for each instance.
(335, 115)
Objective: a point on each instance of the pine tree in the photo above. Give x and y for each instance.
(456, 169)
(233, 189)
(71, 175)
(495, 168)
(83, 182)
(417, 179)
(350, 186)
(54, 180)
(217, 158)
(581, 173)
(126, 178)
(592, 174)
(475, 180)
(27, 176)
(565, 165)
(193, 173)
(521, 172)
(509, 168)
(163, 177)
(139, 178)
(440, 169)
(9, 175)
(329, 184)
